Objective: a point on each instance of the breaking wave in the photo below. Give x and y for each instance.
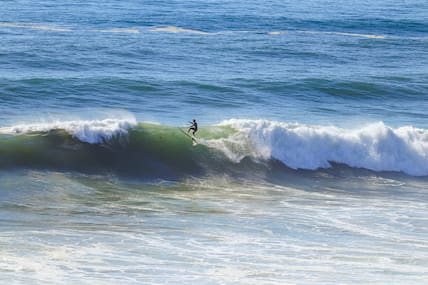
(234, 146)
(376, 146)
(89, 131)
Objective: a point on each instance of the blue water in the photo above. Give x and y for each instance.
(323, 68)
(310, 110)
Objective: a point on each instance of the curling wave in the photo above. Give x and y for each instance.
(235, 147)
(117, 146)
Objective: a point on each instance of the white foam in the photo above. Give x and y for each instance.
(90, 131)
(117, 30)
(173, 29)
(276, 33)
(34, 27)
(369, 36)
(375, 146)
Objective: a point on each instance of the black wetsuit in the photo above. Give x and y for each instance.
(193, 127)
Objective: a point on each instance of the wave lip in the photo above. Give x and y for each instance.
(375, 147)
(89, 131)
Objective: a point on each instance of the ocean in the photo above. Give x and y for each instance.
(310, 164)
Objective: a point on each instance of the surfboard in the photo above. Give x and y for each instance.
(194, 141)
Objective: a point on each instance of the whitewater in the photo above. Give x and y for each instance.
(376, 146)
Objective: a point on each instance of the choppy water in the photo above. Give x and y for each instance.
(312, 158)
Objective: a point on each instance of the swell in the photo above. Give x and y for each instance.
(364, 25)
(388, 87)
(379, 88)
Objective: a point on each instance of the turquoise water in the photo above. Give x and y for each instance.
(311, 163)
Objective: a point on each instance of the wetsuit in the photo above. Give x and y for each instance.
(193, 127)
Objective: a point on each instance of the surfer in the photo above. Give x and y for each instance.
(193, 127)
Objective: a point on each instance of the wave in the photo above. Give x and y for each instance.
(375, 147)
(122, 147)
(173, 29)
(345, 31)
(88, 131)
(117, 30)
(236, 147)
(45, 27)
(34, 27)
(369, 36)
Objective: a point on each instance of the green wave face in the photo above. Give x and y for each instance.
(147, 151)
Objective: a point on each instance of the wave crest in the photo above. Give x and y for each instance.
(89, 131)
(161, 150)
(375, 147)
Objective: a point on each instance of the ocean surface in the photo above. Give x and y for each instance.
(310, 164)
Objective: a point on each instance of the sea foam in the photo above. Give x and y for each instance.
(89, 131)
(34, 26)
(376, 146)
(173, 29)
(117, 30)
